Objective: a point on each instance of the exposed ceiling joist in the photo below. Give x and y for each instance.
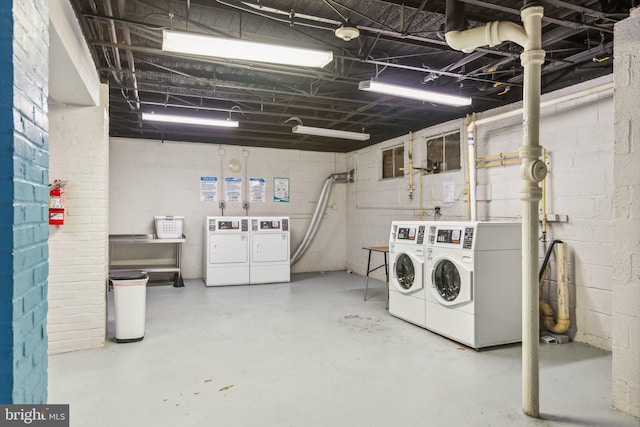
(399, 41)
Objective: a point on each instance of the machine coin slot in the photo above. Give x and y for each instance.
(468, 238)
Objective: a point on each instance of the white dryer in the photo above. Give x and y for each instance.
(407, 240)
(270, 250)
(226, 251)
(474, 276)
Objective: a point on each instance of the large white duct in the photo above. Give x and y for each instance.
(317, 214)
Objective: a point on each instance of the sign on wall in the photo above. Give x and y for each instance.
(257, 187)
(233, 189)
(280, 189)
(208, 188)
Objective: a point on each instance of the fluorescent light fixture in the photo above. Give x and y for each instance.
(186, 120)
(420, 95)
(203, 45)
(331, 133)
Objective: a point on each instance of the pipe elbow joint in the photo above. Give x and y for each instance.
(490, 35)
(455, 41)
(562, 326)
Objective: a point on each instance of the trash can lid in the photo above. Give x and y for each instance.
(128, 275)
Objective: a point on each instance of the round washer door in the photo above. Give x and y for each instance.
(450, 283)
(406, 273)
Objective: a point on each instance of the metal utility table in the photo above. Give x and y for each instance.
(384, 250)
(153, 265)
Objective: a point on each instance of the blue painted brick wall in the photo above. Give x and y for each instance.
(24, 160)
(6, 203)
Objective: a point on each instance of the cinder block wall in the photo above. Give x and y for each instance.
(626, 229)
(150, 178)
(24, 160)
(78, 250)
(579, 138)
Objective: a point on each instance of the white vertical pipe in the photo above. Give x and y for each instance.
(533, 171)
(471, 155)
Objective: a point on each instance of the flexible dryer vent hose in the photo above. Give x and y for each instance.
(317, 214)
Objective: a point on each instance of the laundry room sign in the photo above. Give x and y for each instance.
(233, 189)
(208, 188)
(281, 190)
(258, 189)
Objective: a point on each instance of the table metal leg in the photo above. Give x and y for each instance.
(366, 285)
(178, 281)
(386, 273)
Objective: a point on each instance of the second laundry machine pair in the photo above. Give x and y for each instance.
(458, 279)
(246, 250)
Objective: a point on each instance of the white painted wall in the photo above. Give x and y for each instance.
(72, 74)
(78, 149)
(579, 138)
(149, 178)
(626, 230)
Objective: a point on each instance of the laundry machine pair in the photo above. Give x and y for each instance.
(246, 250)
(467, 276)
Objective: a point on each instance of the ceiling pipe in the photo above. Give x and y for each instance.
(132, 65)
(533, 172)
(114, 39)
(492, 34)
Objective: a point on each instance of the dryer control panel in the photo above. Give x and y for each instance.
(228, 224)
(270, 224)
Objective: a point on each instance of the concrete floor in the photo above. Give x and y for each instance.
(313, 353)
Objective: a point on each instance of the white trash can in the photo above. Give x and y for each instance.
(130, 301)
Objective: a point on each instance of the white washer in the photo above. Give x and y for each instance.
(270, 247)
(226, 251)
(474, 274)
(407, 240)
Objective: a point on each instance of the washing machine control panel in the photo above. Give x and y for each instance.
(468, 238)
(456, 236)
(451, 236)
(413, 234)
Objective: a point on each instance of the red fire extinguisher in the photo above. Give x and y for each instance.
(56, 204)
